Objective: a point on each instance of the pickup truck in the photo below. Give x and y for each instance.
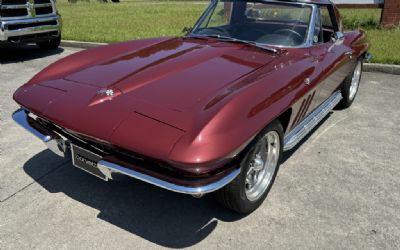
(30, 21)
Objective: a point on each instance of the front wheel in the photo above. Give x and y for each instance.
(350, 86)
(50, 44)
(258, 171)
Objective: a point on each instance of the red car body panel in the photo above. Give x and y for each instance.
(192, 103)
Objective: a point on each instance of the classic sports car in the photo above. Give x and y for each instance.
(212, 111)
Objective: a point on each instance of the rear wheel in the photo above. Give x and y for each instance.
(350, 86)
(258, 171)
(50, 44)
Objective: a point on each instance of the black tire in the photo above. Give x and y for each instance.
(348, 99)
(50, 44)
(233, 195)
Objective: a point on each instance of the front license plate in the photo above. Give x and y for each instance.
(87, 161)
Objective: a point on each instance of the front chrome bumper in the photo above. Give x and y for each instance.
(114, 168)
(58, 145)
(39, 26)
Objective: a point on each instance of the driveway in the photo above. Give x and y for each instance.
(339, 189)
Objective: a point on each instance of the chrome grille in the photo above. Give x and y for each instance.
(13, 9)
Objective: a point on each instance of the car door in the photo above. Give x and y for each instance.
(328, 60)
(332, 58)
(311, 83)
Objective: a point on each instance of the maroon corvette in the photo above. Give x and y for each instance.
(212, 111)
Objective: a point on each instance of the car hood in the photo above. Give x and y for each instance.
(176, 73)
(160, 83)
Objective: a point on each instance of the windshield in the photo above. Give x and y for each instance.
(269, 23)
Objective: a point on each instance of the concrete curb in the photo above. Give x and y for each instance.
(382, 68)
(368, 67)
(80, 45)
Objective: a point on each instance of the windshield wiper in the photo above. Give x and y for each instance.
(235, 40)
(202, 37)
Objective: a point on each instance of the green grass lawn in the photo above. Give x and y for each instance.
(385, 43)
(97, 22)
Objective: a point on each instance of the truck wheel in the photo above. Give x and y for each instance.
(258, 171)
(350, 86)
(50, 44)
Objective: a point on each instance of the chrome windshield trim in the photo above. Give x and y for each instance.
(204, 15)
(106, 166)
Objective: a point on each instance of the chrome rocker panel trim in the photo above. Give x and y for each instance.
(312, 120)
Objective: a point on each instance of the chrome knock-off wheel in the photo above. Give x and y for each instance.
(350, 85)
(262, 166)
(259, 166)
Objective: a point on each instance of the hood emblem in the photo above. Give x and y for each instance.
(106, 92)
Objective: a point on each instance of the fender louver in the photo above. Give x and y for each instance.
(305, 105)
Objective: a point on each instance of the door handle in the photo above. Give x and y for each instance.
(349, 54)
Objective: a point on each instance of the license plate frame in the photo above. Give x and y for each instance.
(87, 161)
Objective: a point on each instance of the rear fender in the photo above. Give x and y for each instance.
(358, 41)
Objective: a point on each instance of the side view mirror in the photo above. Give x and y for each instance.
(187, 30)
(338, 38)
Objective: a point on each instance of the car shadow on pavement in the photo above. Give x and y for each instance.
(162, 217)
(13, 53)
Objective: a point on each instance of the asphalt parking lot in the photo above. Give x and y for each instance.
(339, 189)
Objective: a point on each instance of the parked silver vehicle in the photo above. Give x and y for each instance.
(30, 21)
